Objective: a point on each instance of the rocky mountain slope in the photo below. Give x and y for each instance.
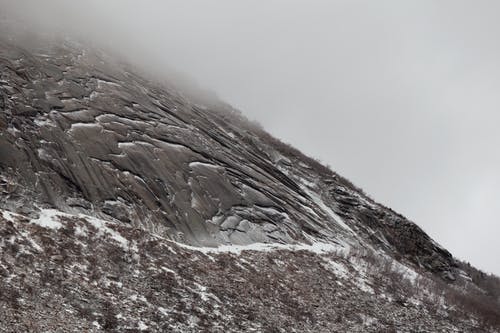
(128, 205)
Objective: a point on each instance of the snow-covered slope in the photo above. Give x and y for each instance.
(74, 273)
(181, 201)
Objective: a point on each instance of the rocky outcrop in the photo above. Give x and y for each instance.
(81, 133)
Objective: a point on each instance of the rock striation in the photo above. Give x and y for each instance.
(83, 134)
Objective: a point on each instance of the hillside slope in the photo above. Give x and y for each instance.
(114, 190)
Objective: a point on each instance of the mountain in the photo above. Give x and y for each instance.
(129, 204)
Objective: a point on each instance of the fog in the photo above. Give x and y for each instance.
(401, 97)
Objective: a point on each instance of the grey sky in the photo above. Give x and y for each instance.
(402, 97)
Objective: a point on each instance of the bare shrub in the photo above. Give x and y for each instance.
(10, 296)
(109, 321)
(292, 152)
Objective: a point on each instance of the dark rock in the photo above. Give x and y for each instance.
(26, 110)
(117, 210)
(78, 202)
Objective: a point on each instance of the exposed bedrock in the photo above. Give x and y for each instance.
(82, 134)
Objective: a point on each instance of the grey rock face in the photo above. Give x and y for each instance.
(82, 134)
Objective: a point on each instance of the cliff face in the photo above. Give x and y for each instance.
(82, 134)
(88, 137)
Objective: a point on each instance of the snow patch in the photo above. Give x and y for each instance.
(100, 83)
(103, 228)
(141, 326)
(163, 311)
(321, 204)
(12, 130)
(43, 122)
(48, 219)
(37, 247)
(76, 126)
(318, 248)
(204, 164)
(43, 154)
(168, 270)
(9, 216)
(337, 268)
(132, 144)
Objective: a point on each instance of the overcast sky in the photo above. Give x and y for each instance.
(402, 97)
